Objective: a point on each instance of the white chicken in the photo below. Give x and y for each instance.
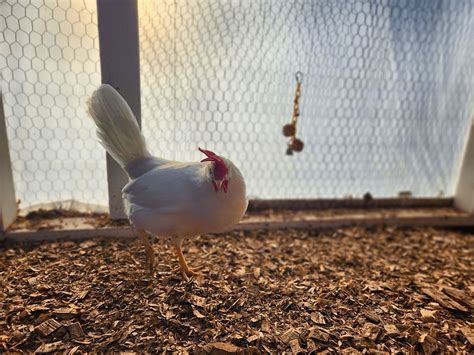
(167, 198)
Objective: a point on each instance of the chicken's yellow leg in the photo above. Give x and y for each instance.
(150, 257)
(183, 266)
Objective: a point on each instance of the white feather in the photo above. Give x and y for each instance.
(117, 127)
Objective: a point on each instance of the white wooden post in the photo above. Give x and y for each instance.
(120, 66)
(8, 207)
(464, 198)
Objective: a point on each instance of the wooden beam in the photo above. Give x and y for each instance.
(464, 198)
(320, 224)
(8, 207)
(344, 203)
(120, 66)
(70, 234)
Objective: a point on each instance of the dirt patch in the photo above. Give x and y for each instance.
(347, 290)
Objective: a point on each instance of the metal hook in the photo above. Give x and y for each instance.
(299, 77)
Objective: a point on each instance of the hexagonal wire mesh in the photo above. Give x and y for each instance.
(50, 64)
(386, 92)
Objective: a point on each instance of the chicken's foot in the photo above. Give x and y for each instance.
(150, 257)
(183, 266)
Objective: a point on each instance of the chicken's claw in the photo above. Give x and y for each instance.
(183, 266)
(187, 274)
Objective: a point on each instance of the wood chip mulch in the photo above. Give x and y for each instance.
(344, 291)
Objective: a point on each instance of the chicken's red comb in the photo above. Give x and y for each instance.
(211, 156)
(220, 169)
(207, 152)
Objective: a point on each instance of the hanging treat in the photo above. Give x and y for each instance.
(296, 145)
(289, 130)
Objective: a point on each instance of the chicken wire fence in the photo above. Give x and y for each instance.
(386, 94)
(50, 63)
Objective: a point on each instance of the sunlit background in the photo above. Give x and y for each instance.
(387, 93)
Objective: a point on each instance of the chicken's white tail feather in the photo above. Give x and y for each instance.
(117, 127)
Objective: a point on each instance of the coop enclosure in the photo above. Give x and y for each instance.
(386, 103)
